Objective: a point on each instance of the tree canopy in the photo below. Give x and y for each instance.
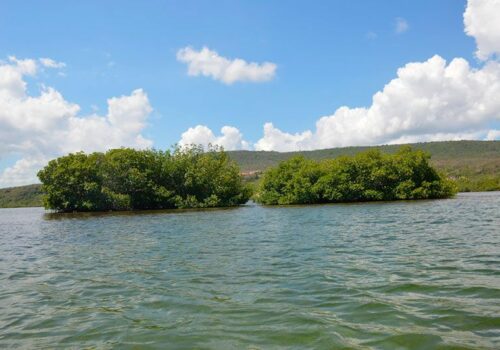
(128, 179)
(367, 176)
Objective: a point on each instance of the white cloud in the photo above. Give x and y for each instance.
(208, 63)
(23, 172)
(50, 63)
(493, 135)
(439, 137)
(38, 128)
(429, 100)
(11, 82)
(401, 25)
(482, 21)
(231, 138)
(277, 140)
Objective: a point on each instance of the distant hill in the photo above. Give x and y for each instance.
(455, 151)
(474, 164)
(23, 196)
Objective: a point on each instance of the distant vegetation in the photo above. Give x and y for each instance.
(23, 196)
(127, 179)
(474, 165)
(367, 176)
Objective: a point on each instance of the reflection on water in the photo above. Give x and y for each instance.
(409, 275)
(51, 215)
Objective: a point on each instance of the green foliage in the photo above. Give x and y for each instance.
(478, 182)
(127, 179)
(290, 182)
(367, 176)
(475, 165)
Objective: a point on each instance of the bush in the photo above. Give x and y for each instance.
(128, 179)
(368, 176)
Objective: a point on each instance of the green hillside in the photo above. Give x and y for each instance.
(455, 151)
(23, 196)
(475, 165)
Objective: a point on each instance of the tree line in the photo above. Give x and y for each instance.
(190, 177)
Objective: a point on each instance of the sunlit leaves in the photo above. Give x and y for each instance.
(368, 176)
(125, 179)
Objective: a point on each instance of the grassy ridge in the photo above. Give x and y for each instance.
(23, 196)
(446, 153)
(475, 165)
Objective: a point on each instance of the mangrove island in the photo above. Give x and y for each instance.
(190, 177)
(367, 176)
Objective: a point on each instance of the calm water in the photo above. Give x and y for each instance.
(406, 275)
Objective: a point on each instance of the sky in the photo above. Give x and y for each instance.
(259, 75)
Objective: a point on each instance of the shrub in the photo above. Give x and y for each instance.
(368, 176)
(128, 179)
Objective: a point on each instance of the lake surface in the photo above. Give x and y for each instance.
(401, 275)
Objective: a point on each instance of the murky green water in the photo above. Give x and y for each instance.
(406, 275)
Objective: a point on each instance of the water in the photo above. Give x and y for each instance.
(405, 275)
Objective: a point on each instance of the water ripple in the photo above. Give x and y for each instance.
(405, 275)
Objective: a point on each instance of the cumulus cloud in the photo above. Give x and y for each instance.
(231, 138)
(277, 140)
(401, 25)
(38, 128)
(50, 63)
(209, 63)
(428, 101)
(432, 100)
(22, 172)
(482, 22)
(493, 134)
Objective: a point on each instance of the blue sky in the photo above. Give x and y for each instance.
(328, 54)
(323, 51)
